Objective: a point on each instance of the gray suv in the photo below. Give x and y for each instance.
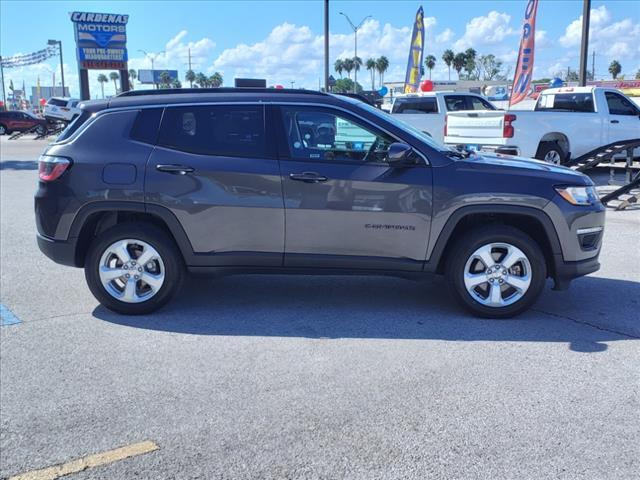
(146, 186)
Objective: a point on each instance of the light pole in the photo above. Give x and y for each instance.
(59, 43)
(355, 49)
(292, 82)
(152, 57)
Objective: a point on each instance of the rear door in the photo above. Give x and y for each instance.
(623, 118)
(345, 206)
(215, 168)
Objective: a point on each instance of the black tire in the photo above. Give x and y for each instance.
(40, 130)
(158, 239)
(4, 130)
(552, 149)
(473, 240)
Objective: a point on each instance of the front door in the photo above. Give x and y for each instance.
(345, 205)
(215, 169)
(624, 118)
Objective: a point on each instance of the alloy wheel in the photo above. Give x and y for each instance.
(131, 271)
(553, 156)
(497, 275)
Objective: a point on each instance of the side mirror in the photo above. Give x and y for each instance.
(400, 154)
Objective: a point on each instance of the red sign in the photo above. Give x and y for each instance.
(524, 68)
(103, 65)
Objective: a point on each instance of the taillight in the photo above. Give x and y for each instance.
(445, 125)
(507, 129)
(50, 168)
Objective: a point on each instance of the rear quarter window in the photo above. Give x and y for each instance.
(73, 126)
(57, 102)
(145, 128)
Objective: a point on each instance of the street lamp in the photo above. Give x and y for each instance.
(152, 57)
(292, 82)
(59, 44)
(355, 32)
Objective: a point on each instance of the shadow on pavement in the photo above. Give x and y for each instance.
(18, 165)
(373, 307)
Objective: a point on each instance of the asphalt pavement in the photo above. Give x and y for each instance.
(315, 377)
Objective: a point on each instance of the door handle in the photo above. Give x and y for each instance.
(175, 169)
(308, 177)
(615, 121)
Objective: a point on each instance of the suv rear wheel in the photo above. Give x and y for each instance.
(133, 268)
(496, 271)
(3, 130)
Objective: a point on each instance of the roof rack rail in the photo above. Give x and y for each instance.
(221, 90)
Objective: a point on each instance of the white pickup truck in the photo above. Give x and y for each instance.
(565, 123)
(427, 111)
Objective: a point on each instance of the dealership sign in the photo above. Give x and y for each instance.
(101, 39)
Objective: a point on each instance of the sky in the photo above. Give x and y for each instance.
(282, 41)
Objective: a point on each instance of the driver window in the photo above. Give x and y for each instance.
(315, 135)
(618, 105)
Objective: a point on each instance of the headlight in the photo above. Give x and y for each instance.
(579, 195)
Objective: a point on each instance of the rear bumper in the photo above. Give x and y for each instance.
(484, 147)
(60, 251)
(567, 271)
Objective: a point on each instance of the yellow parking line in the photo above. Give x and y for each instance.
(90, 461)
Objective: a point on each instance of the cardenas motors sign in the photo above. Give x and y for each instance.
(101, 39)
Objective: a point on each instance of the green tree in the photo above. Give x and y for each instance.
(470, 62)
(638, 74)
(371, 66)
(382, 65)
(346, 85)
(615, 68)
(459, 61)
(190, 77)
(338, 66)
(132, 76)
(489, 66)
(216, 80)
(115, 77)
(175, 83)
(448, 57)
(430, 62)
(165, 79)
(202, 80)
(102, 79)
(348, 66)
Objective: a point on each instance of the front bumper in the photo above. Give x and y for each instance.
(60, 251)
(567, 271)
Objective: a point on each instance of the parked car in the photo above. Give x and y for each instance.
(59, 109)
(18, 121)
(147, 185)
(566, 123)
(427, 111)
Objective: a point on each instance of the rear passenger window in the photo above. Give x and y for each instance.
(222, 130)
(455, 103)
(145, 128)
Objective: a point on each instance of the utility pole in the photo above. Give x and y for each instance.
(326, 45)
(355, 32)
(4, 95)
(593, 65)
(59, 44)
(584, 47)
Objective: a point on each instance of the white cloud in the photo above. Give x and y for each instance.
(491, 29)
(542, 39)
(446, 36)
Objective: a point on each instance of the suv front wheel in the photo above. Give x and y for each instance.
(133, 268)
(496, 271)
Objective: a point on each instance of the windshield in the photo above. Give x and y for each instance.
(420, 135)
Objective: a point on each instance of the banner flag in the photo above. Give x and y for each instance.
(414, 65)
(524, 67)
(29, 58)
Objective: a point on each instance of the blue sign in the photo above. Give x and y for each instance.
(101, 39)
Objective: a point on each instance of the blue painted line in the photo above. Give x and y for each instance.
(7, 317)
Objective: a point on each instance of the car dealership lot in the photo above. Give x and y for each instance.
(315, 377)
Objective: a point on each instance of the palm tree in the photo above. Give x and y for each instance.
(430, 62)
(447, 57)
(175, 83)
(132, 76)
(382, 65)
(459, 61)
(348, 66)
(216, 80)
(115, 77)
(615, 68)
(102, 78)
(338, 66)
(357, 63)
(371, 66)
(202, 80)
(190, 77)
(470, 64)
(165, 79)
